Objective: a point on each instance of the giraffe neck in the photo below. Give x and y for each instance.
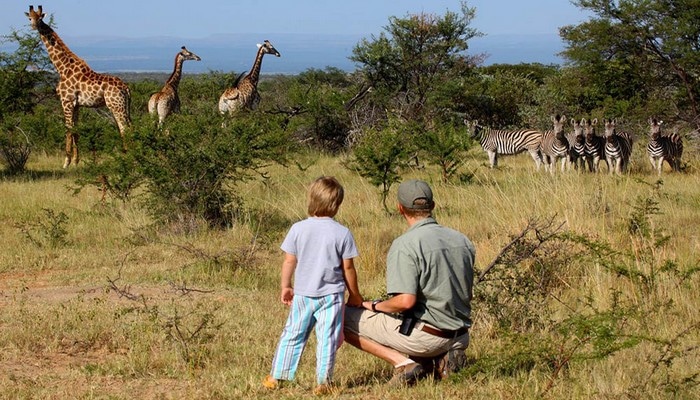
(174, 80)
(255, 70)
(62, 58)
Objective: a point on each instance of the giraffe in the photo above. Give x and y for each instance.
(244, 92)
(79, 85)
(167, 101)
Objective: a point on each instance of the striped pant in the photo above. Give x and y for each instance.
(326, 314)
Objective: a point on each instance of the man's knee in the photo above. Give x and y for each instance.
(351, 319)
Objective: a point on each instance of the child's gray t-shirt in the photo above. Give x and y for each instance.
(320, 245)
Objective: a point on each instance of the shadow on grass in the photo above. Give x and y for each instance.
(39, 175)
(369, 378)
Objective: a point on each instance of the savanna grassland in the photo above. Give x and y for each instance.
(151, 269)
(598, 300)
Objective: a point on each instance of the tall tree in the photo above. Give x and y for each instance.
(26, 76)
(413, 56)
(641, 47)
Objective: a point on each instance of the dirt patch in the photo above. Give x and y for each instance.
(70, 369)
(36, 288)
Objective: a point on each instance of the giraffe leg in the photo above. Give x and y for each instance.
(121, 115)
(74, 143)
(69, 146)
(70, 116)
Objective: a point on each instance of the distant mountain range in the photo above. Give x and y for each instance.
(235, 53)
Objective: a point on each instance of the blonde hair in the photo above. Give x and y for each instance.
(324, 197)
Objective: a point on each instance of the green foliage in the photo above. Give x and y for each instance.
(98, 134)
(15, 148)
(413, 58)
(524, 353)
(191, 165)
(640, 50)
(24, 133)
(25, 77)
(115, 176)
(444, 146)
(501, 100)
(313, 106)
(380, 155)
(48, 231)
(540, 330)
(594, 333)
(515, 288)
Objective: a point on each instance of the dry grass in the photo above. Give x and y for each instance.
(205, 317)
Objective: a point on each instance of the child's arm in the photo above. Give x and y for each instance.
(350, 276)
(288, 266)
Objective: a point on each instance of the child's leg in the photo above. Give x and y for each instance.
(329, 328)
(293, 339)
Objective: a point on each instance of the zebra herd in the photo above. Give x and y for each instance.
(582, 147)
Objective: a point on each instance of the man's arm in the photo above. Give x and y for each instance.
(397, 304)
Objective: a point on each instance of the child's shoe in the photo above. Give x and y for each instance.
(271, 383)
(323, 389)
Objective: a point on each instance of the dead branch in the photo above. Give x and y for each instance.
(186, 290)
(543, 233)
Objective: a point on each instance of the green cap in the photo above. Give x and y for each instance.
(412, 190)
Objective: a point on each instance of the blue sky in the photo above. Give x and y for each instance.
(204, 18)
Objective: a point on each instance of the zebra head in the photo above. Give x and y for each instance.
(609, 127)
(590, 128)
(655, 128)
(558, 122)
(473, 128)
(579, 135)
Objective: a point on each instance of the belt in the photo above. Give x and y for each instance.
(445, 334)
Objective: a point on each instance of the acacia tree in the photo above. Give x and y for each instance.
(640, 48)
(26, 91)
(27, 74)
(414, 57)
(411, 69)
(313, 106)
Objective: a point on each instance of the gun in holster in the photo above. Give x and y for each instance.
(408, 321)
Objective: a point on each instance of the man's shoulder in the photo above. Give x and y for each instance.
(433, 230)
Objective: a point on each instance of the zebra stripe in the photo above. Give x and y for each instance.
(594, 149)
(554, 145)
(495, 142)
(660, 148)
(618, 148)
(577, 145)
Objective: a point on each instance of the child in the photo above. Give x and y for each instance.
(319, 253)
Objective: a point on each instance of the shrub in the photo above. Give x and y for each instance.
(190, 167)
(379, 157)
(15, 149)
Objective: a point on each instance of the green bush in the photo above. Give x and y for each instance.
(380, 155)
(190, 167)
(15, 149)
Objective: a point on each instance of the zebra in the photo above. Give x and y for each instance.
(660, 148)
(554, 145)
(618, 148)
(577, 145)
(495, 142)
(594, 149)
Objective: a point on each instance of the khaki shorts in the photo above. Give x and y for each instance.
(384, 329)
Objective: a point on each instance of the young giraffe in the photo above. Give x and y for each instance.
(244, 92)
(167, 101)
(79, 85)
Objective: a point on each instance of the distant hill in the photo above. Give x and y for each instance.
(235, 53)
